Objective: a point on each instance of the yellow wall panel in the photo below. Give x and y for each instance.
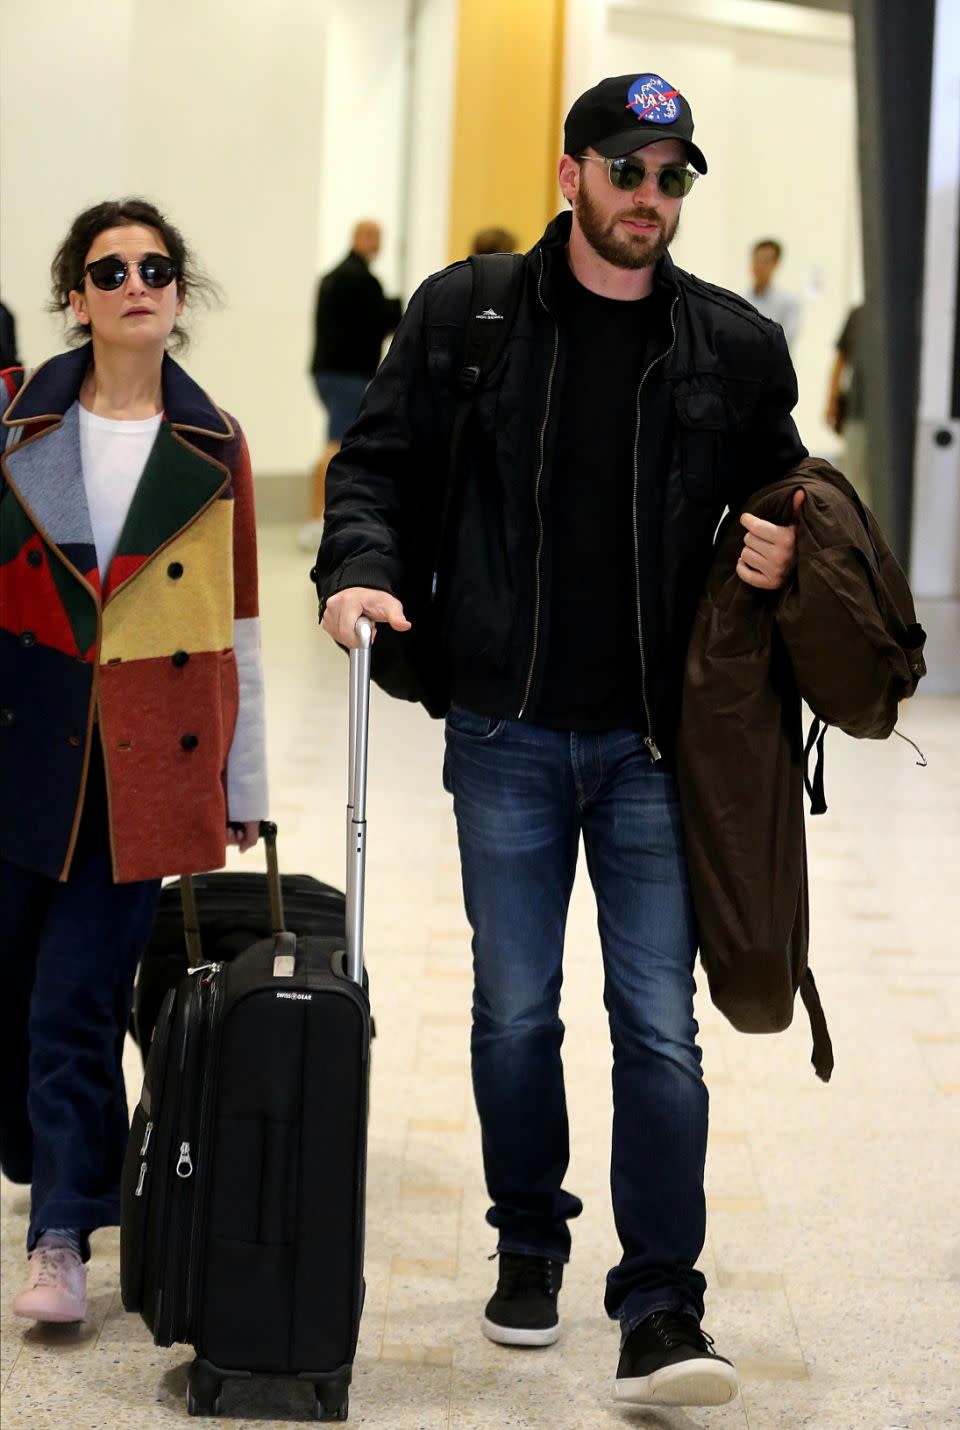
(507, 119)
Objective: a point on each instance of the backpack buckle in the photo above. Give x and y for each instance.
(468, 379)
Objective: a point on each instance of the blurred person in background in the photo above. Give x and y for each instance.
(353, 317)
(494, 240)
(768, 297)
(552, 580)
(846, 412)
(132, 741)
(8, 339)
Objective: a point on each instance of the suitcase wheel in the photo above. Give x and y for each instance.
(324, 1409)
(204, 1390)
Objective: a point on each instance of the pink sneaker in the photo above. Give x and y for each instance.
(56, 1288)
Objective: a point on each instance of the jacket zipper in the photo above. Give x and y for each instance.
(649, 741)
(211, 982)
(536, 495)
(182, 1171)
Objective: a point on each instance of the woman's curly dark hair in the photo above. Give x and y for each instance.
(66, 271)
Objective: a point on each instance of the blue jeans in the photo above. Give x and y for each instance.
(341, 394)
(68, 955)
(522, 796)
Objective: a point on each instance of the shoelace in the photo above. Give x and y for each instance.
(53, 1260)
(525, 1273)
(676, 1329)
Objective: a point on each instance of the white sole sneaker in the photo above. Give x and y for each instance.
(517, 1336)
(696, 1382)
(53, 1316)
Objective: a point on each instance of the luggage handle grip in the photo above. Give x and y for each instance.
(188, 897)
(359, 722)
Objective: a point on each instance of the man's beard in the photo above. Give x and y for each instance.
(631, 250)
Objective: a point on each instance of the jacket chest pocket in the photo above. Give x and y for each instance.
(705, 424)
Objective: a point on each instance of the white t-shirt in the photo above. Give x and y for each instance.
(113, 455)
(781, 306)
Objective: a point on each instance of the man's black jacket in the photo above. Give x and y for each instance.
(352, 319)
(713, 425)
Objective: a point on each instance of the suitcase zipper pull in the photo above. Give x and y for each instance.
(185, 1165)
(140, 1180)
(146, 1139)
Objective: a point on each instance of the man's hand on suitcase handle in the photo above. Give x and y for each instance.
(342, 611)
(243, 833)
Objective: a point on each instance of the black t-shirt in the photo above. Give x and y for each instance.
(850, 344)
(591, 673)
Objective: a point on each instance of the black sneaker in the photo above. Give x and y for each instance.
(667, 1360)
(523, 1309)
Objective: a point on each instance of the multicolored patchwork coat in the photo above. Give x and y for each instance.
(164, 654)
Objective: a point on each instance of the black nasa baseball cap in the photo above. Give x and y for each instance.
(628, 112)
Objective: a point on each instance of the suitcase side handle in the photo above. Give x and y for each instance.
(359, 723)
(188, 898)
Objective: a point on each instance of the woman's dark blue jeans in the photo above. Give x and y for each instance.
(522, 797)
(68, 955)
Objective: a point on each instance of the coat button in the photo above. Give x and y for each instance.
(175, 570)
(27, 638)
(180, 657)
(189, 742)
(7, 718)
(34, 557)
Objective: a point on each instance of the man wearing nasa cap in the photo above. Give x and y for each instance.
(538, 588)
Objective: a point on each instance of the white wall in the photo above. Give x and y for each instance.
(773, 96)
(210, 108)
(387, 129)
(263, 130)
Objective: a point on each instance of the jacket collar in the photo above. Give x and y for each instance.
(53, 387)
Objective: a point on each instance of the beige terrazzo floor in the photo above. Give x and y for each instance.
(833, 1253)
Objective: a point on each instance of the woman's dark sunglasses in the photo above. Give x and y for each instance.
(673, 180)
(110, 273)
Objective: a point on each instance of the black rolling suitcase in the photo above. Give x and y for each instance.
(232, 909)
(243, 1185)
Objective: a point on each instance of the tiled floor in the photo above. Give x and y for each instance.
(833, 1253)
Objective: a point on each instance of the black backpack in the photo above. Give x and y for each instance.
(408, 666)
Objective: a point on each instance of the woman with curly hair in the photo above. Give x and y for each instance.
(131, 705)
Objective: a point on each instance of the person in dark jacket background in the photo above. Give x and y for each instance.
(8, 339)
(545, 606)
(352, 319)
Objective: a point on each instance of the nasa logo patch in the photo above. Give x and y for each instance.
(653, 100)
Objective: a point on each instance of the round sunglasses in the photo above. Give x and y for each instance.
(673, 180)
(156, 269)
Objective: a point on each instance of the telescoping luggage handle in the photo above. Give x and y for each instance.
(356, 835)
(357, 795)
(188, 897)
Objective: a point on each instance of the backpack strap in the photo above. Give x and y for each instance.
(814, 787)
(496, 290)
(494, 299)
(822, 1058)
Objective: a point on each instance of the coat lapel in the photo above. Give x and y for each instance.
(177, 484)
(187, 467)
(46, 473)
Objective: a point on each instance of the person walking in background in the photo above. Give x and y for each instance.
(766, 296)
(494, 240)
(552, 580)
(846, 411)
(352, 319)
(132, 723)
(8, 339)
